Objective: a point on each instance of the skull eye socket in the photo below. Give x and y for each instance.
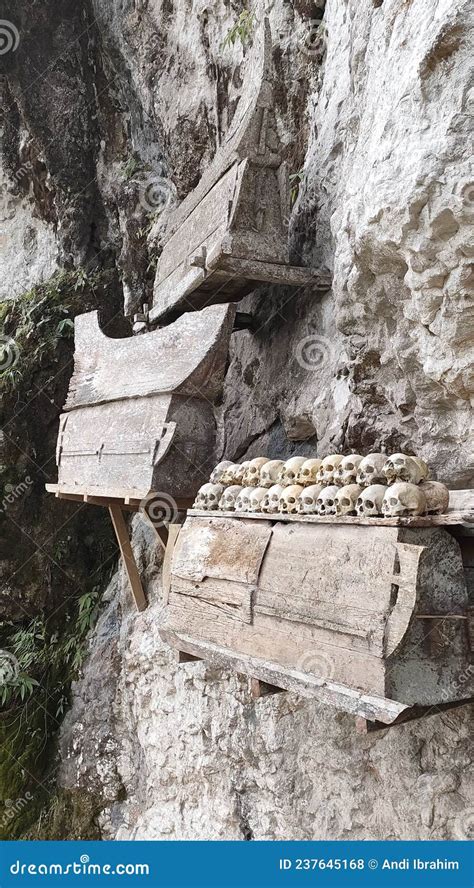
(350, 466)
(370, 504)
(369, 469)
(291, 499)
(290, 474)
(399, 462)
(329, 468)
(307, 500)
(344, 501)
(393, 501)
(306, 471)
(330, 502)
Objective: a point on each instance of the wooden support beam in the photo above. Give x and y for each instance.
(123, 540)
(260, 688)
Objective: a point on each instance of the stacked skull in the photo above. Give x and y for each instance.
(366, 486)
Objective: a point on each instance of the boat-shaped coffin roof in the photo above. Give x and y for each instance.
(187, 358)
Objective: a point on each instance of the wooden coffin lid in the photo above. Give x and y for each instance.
(246, 134)
(186, 358)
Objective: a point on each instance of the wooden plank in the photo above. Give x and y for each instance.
(276, 641)
(210, 548)
(173, 532)
(130, 564)
(273, 273)
(344, 697)
(449, 518)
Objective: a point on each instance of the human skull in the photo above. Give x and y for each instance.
(400, 467)
(403, 499)
(269, 472)
(347, 470)
(242, 503)
(370, 470)
(219, 472)
(369, 501)
(227, 476)
(289, 470)
(271, 500)
(237, 472)
(346, 499)
(257, 495)
(308, 500)
(307, 474)
(327, 469)
(289, 499)
(326, 501)
(437, 497)
(252, 472)
(208, 496)
(229, 497)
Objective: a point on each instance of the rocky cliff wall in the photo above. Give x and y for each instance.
(374, 107)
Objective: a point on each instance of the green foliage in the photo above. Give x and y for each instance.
(40, 320)
(242, 29)
(133, 166)
(295, 182)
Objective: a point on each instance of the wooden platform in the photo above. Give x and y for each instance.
(465, 518)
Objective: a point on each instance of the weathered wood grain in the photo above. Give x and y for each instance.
(230, 233)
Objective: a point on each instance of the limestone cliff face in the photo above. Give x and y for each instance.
(374, 108)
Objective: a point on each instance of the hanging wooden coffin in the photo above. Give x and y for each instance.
(231, 233)
(371, 620)
(139, 413)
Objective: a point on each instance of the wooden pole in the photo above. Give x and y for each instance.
(123, 540)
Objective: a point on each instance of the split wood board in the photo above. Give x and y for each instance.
(449, 518)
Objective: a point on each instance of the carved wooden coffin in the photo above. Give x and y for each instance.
(369, 619)
(139, 413)
(230, 234)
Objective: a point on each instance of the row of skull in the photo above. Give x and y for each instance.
(399, 499)
(375, 468)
